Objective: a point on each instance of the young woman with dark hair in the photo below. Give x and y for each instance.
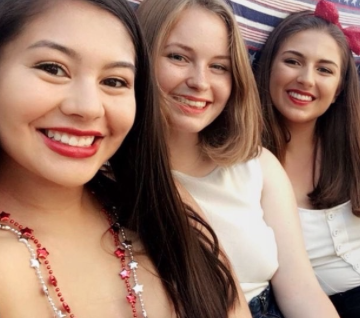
(310, 96)
(92, 224)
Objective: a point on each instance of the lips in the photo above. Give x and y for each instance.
(68, 139)
(197, 103)
(301, 96)
(72, 142)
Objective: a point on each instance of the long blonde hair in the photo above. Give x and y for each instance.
(235, 135)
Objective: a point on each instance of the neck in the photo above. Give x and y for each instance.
(302, 137)
(30, 198)
(184, 150)
(186, 156)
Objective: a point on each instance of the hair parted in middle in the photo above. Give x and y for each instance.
(337, 131)
(235, 135)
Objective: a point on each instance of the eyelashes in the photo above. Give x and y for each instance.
(57, 70)
(52, 69)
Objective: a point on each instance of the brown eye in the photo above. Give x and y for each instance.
(114, 82)
(51, 68)
(176, 57)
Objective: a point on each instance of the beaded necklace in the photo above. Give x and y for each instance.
(39, 256)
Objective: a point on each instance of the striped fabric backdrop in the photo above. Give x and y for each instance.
(257, 18)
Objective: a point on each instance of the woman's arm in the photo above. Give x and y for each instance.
(241, 309)
(296, 288)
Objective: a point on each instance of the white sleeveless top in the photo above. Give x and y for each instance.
(230, 198)
(332, 240)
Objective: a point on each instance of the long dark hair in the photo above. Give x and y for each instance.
(141, 185)
(337, 131)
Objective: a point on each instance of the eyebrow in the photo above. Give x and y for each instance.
(189, 49)
(302, 56)
(55, 46)
(73, 54)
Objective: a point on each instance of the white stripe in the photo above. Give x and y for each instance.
(259, 8)
(255, 25)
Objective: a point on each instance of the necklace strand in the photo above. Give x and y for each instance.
(25, 234)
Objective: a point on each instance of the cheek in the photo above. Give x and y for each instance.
(276, 83)
(121, 116)
(167, 75)
(223, 88)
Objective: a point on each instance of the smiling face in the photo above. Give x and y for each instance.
(66, 93)
(305, 76)
(194, 70)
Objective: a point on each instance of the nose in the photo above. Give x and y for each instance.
(83, 101)
(306, 77)
(198, 78)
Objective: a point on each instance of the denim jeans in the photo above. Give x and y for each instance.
(264, 305)
(347, 303)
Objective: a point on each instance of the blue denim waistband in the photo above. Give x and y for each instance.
(264, 305)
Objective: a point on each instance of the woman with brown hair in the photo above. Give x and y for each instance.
(210, 102)
(310, 95)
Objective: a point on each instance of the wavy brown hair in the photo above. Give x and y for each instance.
(337, 131)
(235, 135)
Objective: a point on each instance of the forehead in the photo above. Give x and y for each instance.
(79, 25)
(199, 24)
(314, 43)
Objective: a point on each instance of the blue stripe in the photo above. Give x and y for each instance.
(254, 15)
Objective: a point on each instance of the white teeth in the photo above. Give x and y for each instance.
(306, 98)
(192, 103)
(64, 138)
(81, 142)
(73, 141)
(57, 136)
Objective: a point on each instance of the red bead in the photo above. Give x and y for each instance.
(125, 274)
(4, 217)
(26, 233)
(53, 280)
(38, 245)
(42, 253)
(66, 307)
(36, 241)
(46, 262)
(48, 267)
(131, 298)
(62, 299)
(57, 289)
(119, 253)
(51, 272)
(21, 227)
(16, 224)
(72, 316)
(12, 221)
(59, 295)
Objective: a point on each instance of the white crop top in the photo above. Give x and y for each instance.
(332, 239)
(230, 198)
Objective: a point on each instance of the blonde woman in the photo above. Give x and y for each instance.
(214, 127)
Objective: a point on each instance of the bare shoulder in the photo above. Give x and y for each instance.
(15, 271)
(188, 199)
(274, 175)
(268, 161)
